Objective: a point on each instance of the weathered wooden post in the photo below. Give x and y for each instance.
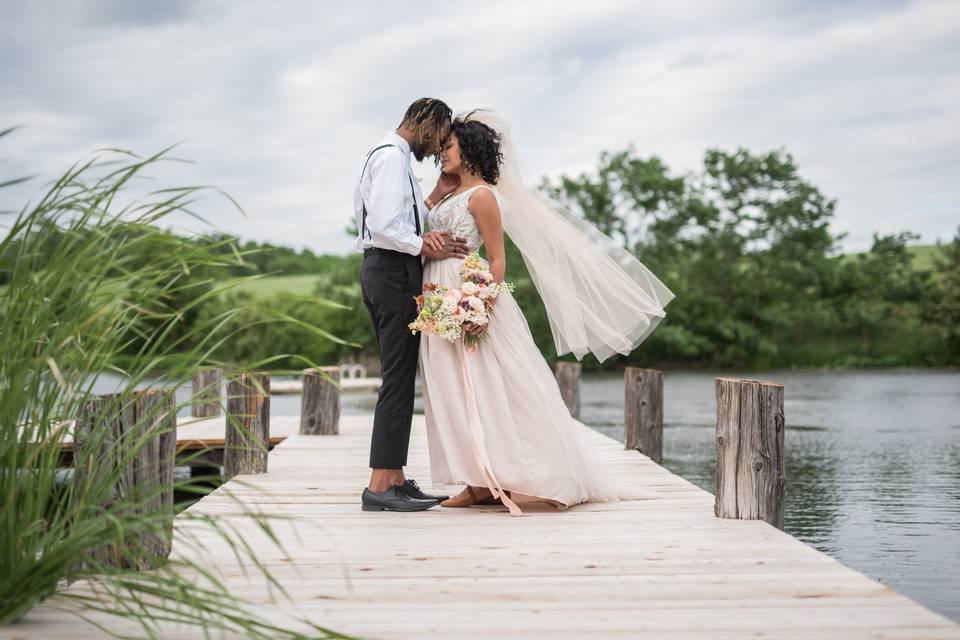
(750, 464)
(247, 440)
(206, 393)
(132, 441)
(568, 378)
(643, 412)
(320, 401)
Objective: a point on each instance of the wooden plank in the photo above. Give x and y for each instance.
(660, 567)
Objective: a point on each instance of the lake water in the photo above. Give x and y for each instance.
(872, 463)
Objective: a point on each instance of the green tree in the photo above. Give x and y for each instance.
(744, 244)
(942, 307)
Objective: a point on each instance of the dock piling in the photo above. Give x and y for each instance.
(108, 428)
(206, 393)
(750, 456)
(247, 439)
(568, 377)
(643, 412)
(320, 402)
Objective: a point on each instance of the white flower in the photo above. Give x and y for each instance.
(469, 289)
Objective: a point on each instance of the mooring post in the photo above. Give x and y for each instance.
(320, 401)
(131, 439)
(247, 439)
(568, 378)
(643, 412)
(206, 392)
(750, 458)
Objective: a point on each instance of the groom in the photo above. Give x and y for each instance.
(389, 210)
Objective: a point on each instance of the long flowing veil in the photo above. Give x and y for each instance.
(599, 298)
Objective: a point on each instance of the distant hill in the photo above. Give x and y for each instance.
(300, 284)
(922, 255)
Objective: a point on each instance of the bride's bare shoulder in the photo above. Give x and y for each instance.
(483, 201)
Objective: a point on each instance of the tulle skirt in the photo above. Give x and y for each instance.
(495, 416)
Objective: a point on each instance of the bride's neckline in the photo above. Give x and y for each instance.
(454, 196)
(469, 189)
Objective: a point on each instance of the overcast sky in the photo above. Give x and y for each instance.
(277, 102)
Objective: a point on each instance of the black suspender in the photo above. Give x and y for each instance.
(413, 194)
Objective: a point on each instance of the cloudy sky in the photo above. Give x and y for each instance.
(277, 102)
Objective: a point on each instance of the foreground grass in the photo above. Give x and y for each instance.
(90, 284)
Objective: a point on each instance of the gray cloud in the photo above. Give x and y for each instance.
(277, 103)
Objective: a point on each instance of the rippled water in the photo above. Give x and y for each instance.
(872, 462)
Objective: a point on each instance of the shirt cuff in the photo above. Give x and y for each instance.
(417, 245)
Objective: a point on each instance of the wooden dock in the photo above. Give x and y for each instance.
(662, 567)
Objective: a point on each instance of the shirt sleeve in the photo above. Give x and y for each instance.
(385, 209)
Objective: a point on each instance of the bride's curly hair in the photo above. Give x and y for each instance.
(480, 150)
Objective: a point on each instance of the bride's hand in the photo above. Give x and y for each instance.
(476, 330)
(434, 240)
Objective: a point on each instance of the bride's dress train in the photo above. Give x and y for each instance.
(495, 417)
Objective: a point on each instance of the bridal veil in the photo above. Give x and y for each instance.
(599, 298)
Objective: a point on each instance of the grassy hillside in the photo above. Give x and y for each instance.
(922, 256)
(302, 284)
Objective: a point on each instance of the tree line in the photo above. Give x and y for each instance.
(744, 242)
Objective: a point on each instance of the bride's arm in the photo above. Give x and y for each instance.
(483, 205)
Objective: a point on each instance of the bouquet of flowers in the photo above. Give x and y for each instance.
(442, 311)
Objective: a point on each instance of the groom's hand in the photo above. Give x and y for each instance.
(447, 183)
(434, 240)
(438, 245)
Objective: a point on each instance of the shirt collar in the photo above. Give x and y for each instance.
(396, 139)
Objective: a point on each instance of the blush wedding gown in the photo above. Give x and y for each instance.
(495, 417)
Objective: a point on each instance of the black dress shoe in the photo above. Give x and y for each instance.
(412, 489)
(393, 499)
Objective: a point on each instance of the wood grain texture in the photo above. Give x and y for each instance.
(132, 438)
(662, 567)
(568, 379)
(320, 402)
(643, 412)
(247, 437)
(750, 471)
(206, 392)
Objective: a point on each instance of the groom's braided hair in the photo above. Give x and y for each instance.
(428, 119)
(480, 149)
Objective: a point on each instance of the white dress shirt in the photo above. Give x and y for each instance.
(385, 188)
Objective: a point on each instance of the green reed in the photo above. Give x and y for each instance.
(92, 285)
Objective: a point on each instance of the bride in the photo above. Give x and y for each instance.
(496, 421)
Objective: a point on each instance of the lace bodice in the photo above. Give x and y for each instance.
(452, 215)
